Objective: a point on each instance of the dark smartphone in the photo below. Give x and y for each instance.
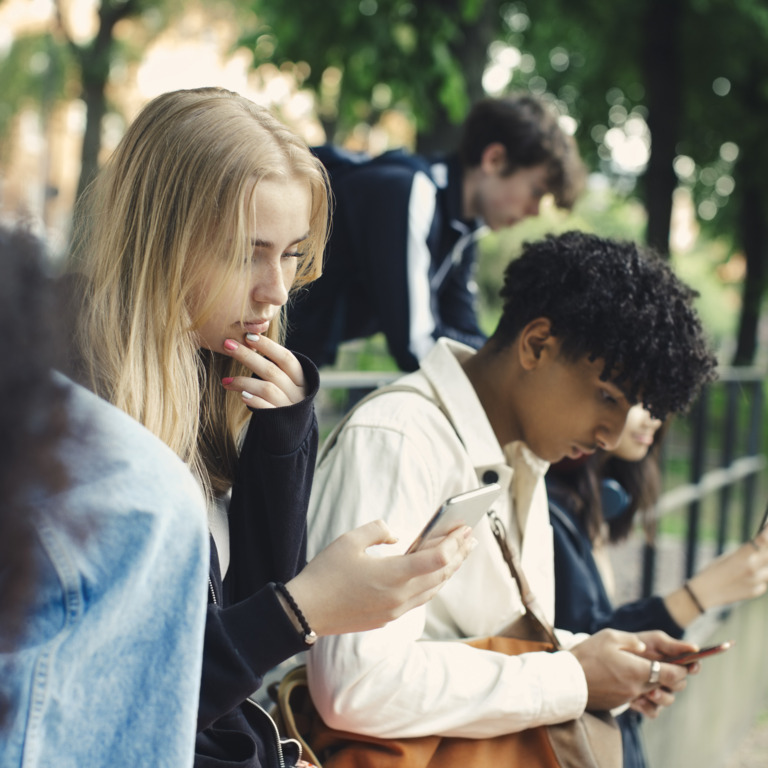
(462, 509)
(763, 521)
(689, 658)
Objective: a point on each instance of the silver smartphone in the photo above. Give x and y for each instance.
(462, 509)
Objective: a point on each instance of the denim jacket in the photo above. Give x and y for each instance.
(107, 672)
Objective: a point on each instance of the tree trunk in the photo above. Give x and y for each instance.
(95, 109)
(661, 66)
(471, 50)
(95, 61)
(754, 239)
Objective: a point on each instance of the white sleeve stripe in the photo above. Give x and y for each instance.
(421, 212)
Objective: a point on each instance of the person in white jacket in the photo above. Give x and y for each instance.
(589, 326)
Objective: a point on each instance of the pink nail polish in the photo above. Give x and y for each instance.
(230, 345)
(227, 380)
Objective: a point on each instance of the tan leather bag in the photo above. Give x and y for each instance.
(591, 741)
(330, 748)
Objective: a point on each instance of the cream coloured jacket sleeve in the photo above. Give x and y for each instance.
(392, 682)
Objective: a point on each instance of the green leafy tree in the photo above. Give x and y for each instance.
(94, 59)
(44, 69)
(426, 58)
(672, 63)
(652, 75)
(726, 121)
(616, 69)
(35, 70)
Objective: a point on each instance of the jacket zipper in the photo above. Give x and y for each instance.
(278, 743)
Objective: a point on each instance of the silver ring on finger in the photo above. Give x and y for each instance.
(653, 678)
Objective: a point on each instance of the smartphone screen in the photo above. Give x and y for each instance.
(463, 509)
(689, 658)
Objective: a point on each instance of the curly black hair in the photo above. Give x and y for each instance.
(613, 301)
(32, 418)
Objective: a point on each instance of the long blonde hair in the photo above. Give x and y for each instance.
(174, 196)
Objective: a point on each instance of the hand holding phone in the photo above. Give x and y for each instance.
(690, 657)
(463, 509)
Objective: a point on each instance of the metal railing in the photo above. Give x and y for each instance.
(736, 439)
(740, 461)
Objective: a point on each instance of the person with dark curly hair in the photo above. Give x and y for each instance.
(610, 301)
(32, 415)
(590, 326)
(103, 557)
(401, 257)
(595, 501)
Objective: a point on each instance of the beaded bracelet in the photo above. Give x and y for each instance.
(309, 635)
(692, 594)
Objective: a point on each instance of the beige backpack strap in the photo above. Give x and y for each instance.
(330, 441)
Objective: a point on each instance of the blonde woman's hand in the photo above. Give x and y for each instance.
(737, 575)
(345, 589)
(280, 376)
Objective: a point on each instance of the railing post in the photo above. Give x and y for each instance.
(754, 435)
(732, 389)
(649, 569)
(698, 453)
(648, 572)
(740, 459)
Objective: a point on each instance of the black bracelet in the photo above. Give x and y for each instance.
(309, 636)
(692, 594)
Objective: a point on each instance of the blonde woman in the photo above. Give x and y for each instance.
(209, 214)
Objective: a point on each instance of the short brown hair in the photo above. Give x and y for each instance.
(531, 135)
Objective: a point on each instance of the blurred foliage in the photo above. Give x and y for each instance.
(726, 100)
(586, 58)
(592, 60)
(589, 58)
(719, 301)
(609, 214)
(366, 56)
(41, 70)
(427, 59)
(36, 71)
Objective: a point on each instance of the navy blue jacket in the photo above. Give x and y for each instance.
(247, 631)
(583, 605)
(365, 286)
(581, 602)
